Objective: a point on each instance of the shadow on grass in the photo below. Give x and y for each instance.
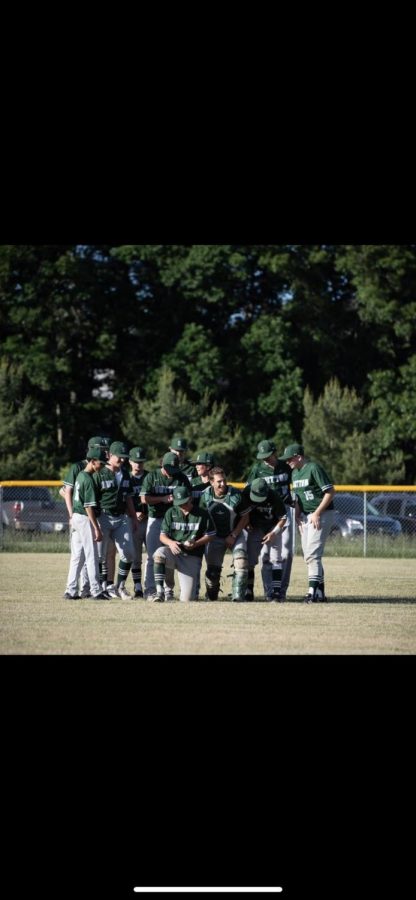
(368, 599)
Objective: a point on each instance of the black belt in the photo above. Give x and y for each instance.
(114, 514)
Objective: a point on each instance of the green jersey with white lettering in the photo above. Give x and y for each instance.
(156, 484)
(278, 477)
(310, 484)
(181, 527)
(266, 513)
(225, 511)
(85, 494)
(113, 488)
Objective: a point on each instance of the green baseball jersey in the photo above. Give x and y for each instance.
(278, 477)
(188, 468)
(225, 511)
(198, 485)
(310, 483)
(156, 484)
(181, 527)
(266, 513)
(113, 490)
(137, 482)
(73, 471)
(85, 494)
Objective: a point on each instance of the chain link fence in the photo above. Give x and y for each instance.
(370, 520)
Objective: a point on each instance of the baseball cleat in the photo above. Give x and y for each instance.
(249, 595)
(111, 590)
(138, 592)
(85, 593)
(101, 596)
(68, 596)
(276, 596)
(169, 595)
(123, 594)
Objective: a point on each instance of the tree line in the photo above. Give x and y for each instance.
(225, 344)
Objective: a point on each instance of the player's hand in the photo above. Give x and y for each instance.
(176, 547)
(316, 520)
(230, 541)
(268, 537)
(168, 498)
(140, 516)
(98, 535)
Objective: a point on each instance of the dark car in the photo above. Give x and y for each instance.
(349, 518)
(400, 505)
(33, 509)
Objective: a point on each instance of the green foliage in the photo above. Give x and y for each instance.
(27, 444)
(151, 421)
(243, 329)
(342, 432)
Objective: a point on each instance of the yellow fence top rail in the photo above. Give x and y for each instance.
(30, 483)
(379, 488)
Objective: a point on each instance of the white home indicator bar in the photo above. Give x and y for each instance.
(208, 890)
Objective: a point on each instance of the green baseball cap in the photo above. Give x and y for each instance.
(258, 490)
(99, 441)
(265, 449)
(137, 454)
(97, 453)
(292, 450)
(119, 448)
(204, 459)
(181, 495)
(170, 463)
(178, 443)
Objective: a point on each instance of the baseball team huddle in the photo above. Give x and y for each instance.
(184, 511)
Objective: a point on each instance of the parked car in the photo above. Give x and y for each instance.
(349, 518)
(400, 505)
(33, 509)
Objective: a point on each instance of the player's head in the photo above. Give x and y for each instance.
(293, 454)
(258, 490)
(182, 497)
(266, 449)
(204, 462)
(137, 459)
(97, 457)
(218, 481)
(101, 442)
(170, 466)
(119, 453)
(178, 445)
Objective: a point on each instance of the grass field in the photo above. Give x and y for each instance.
(372, 611)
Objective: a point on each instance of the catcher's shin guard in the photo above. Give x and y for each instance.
(212, 581)
(240, 577)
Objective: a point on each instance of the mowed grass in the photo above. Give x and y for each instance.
(372, 611)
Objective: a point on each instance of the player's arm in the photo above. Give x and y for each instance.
(326, 500)
(68, 490)
(131, 512)
(90, 510)
(234, 534)
(280, 525)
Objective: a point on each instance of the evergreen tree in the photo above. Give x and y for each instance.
(152, 421)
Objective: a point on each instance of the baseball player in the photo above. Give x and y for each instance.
(314, 514)
(137, 459)
(279, 553)
(185, 532)
(157, 494)
(66, 491)
(267, 519)
(224, 503)
(203, 463)
(118, 516)
(179, 446)
(86, 531)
